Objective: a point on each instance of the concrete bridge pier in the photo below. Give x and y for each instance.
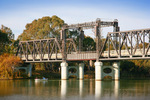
(98, 71)
(116, 67)
(64, 71)
(81, 71)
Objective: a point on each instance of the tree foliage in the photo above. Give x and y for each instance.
(89, 44)
(42, 28)
(7, 41)
(7, 64)
(135, 68)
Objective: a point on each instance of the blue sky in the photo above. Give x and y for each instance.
(132, 14)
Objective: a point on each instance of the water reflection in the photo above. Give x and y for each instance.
(98, 89)
(72, 87)
(63, 89)
(75, 89)
(105, 88)
(116, 88)
(30, 83)
(81, 86)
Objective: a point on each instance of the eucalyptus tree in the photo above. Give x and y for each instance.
(6, 40)
(43, 28)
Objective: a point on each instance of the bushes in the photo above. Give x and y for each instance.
(135, 68)
(7, 64)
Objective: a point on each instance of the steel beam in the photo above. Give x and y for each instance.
(89, 25)
(81, 33)
(63, 45)
(97, 33)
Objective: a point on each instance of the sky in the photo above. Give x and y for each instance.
(131, 14)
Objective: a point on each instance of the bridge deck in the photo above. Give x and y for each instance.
(74, 56)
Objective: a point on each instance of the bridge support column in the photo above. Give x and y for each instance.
(98, 71)
(64, 71)
(81, 71)
(116, 66)
(29, 70)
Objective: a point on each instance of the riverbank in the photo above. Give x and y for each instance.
(47, 74)
(57, 75)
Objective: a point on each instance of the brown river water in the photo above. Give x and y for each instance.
(73, 89)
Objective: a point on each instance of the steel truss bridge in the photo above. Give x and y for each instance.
(118, 45)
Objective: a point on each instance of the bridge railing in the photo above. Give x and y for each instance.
(39, 50)
(136, 43)
(87, 55)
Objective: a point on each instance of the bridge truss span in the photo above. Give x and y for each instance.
(132, 44)
(118, 45)
(44, 50)
(89, 25)
(39, 50)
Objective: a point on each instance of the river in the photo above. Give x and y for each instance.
(73, 89)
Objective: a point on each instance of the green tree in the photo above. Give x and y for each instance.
(42, 28)
(6, 40)
(89, 44)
